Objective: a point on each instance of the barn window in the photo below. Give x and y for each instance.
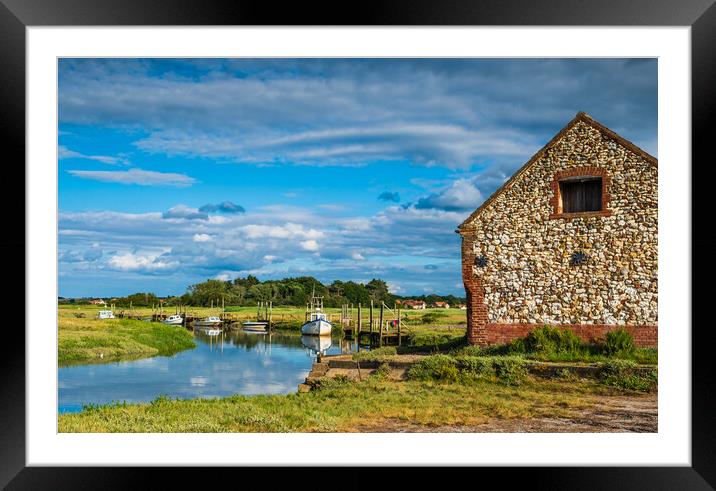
(581, 194)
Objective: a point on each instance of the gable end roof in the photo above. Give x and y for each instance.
(581, 116)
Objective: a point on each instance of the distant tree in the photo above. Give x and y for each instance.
(140, 299)
(294, 291)
(211, 291)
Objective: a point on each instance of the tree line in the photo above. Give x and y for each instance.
(286, 292)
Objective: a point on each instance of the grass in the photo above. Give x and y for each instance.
(90, 340)
(513, 370)
(625, 375)
(343, 406)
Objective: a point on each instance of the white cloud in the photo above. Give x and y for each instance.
(309, 245)
(461, 194)
(65, 153)
(286, 231)
(136, 176)
(202, 238)
(394, 288)
(139, 262)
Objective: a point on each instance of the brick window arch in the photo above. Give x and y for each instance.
(580, 192)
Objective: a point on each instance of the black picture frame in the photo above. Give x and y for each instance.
(700, 15)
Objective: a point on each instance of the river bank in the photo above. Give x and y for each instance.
(388, 401)
(89, 340)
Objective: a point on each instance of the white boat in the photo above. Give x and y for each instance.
(317, 323)
(174, 320)
(105, 314)
(256, 326)
(211, 321)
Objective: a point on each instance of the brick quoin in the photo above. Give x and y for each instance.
(476, 308)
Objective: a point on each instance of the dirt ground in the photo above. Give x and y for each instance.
(609, 414)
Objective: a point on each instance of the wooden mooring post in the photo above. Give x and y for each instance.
(380, 333)
(359, 323)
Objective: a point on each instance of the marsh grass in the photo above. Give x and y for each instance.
(343, 405)
(90, 340)
(511, 370)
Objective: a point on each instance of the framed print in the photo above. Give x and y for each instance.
(415, 237)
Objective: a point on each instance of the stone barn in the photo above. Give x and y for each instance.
(570, 240)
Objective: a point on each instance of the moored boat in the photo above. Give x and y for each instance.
(105, 314)
(317, 323)
(255, 326)
(211, 321)
(174, 320)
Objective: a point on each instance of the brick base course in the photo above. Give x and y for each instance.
(644, 336)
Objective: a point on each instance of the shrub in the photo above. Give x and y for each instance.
(476, 366)
(435, 367)
(328, 383)
(548, 340)
(383, 371)
(625, 374)
(619, 343)
(431, 317)
(510, 369)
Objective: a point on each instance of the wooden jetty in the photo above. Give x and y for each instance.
(385, 330)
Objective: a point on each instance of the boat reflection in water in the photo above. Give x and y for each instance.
(316, 344)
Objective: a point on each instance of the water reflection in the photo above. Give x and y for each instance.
(316, 344)
(234, 362)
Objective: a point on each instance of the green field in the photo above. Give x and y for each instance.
(437, 317)
(92, 340)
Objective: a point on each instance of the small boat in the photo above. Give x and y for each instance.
(211, 321)
(105, 314)
(174, 320)
(317, 323)
(254, 326)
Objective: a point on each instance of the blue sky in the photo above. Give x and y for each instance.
(173, 171)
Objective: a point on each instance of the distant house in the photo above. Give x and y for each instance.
(97, 301)
(414, 304)
(570, 240)
(441, 305)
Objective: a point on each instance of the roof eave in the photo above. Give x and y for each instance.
(580, 116)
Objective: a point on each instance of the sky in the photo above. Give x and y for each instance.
(175, 171)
